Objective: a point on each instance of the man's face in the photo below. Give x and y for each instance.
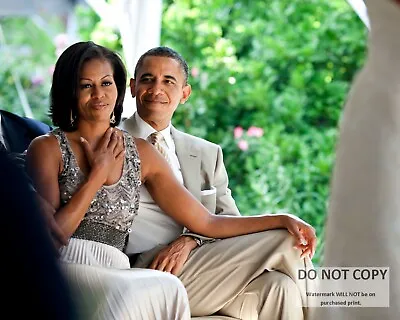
(159, 88)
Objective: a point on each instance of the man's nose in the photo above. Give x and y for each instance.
(156, 88)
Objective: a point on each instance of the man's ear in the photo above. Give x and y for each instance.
(187, 90)
(132, 84)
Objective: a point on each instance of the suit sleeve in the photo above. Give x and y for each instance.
(225, 204)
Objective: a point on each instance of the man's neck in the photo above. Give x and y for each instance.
(157, 125)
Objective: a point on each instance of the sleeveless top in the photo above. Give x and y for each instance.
(112, 210)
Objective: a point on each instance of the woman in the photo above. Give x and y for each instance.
(92, 171)
(71, 178)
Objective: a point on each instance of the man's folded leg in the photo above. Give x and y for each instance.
(218, 272)
(271, 296)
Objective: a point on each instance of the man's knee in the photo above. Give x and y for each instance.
(282, 241)
(279, 236)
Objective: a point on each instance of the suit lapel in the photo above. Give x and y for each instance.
(187, 152)
(190, 161)
(15, 134)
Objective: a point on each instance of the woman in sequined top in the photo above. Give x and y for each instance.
(90, 173)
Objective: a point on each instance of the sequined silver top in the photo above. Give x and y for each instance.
(112, 210)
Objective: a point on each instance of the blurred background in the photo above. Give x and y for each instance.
(269, 79)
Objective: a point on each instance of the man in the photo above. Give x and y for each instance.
(16, 133)
(35, 279)
(222, 277)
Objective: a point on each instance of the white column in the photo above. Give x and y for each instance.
(139, 22)
(361, 10)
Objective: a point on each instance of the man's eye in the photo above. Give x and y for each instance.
(146, 79)
(169, 81)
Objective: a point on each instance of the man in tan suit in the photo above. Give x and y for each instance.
(246, 277)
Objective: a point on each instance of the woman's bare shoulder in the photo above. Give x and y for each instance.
(44, 149)
(44, 142)
(144, 148)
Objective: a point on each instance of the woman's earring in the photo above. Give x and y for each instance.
(112, 119)
(71, 119)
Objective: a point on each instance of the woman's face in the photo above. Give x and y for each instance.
(97, 92)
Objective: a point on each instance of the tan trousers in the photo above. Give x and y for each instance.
(228, 277)
(270, 296)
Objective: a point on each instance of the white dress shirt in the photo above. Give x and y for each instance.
(2, 139)
(152, 226)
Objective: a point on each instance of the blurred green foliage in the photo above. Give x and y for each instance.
(27, 56)
(283, 66)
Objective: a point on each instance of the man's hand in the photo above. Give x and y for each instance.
(172, 258)
(306, 240)
(57, 235)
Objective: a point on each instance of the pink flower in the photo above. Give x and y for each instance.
(243, 145)
(255, 132)
(238, 132)
(51, 69)
(61, 41)
(37, 80)
(195, 72)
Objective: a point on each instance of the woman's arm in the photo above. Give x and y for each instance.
(178, 203)
(45, 170)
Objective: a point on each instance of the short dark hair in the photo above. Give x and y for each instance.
(65, 85)
(164, 52)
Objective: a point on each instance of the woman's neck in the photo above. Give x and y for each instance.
(92, 132)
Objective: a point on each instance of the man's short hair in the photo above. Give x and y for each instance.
(164, 52)
(65, 85)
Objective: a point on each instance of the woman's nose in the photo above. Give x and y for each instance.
(97, 92)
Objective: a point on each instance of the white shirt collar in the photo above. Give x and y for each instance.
(1, 132)
(145, 130)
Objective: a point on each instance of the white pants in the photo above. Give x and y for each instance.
(104, 287)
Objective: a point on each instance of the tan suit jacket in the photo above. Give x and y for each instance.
(203, 169)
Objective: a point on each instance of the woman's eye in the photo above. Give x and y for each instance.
(85, 85)
(107, 83)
